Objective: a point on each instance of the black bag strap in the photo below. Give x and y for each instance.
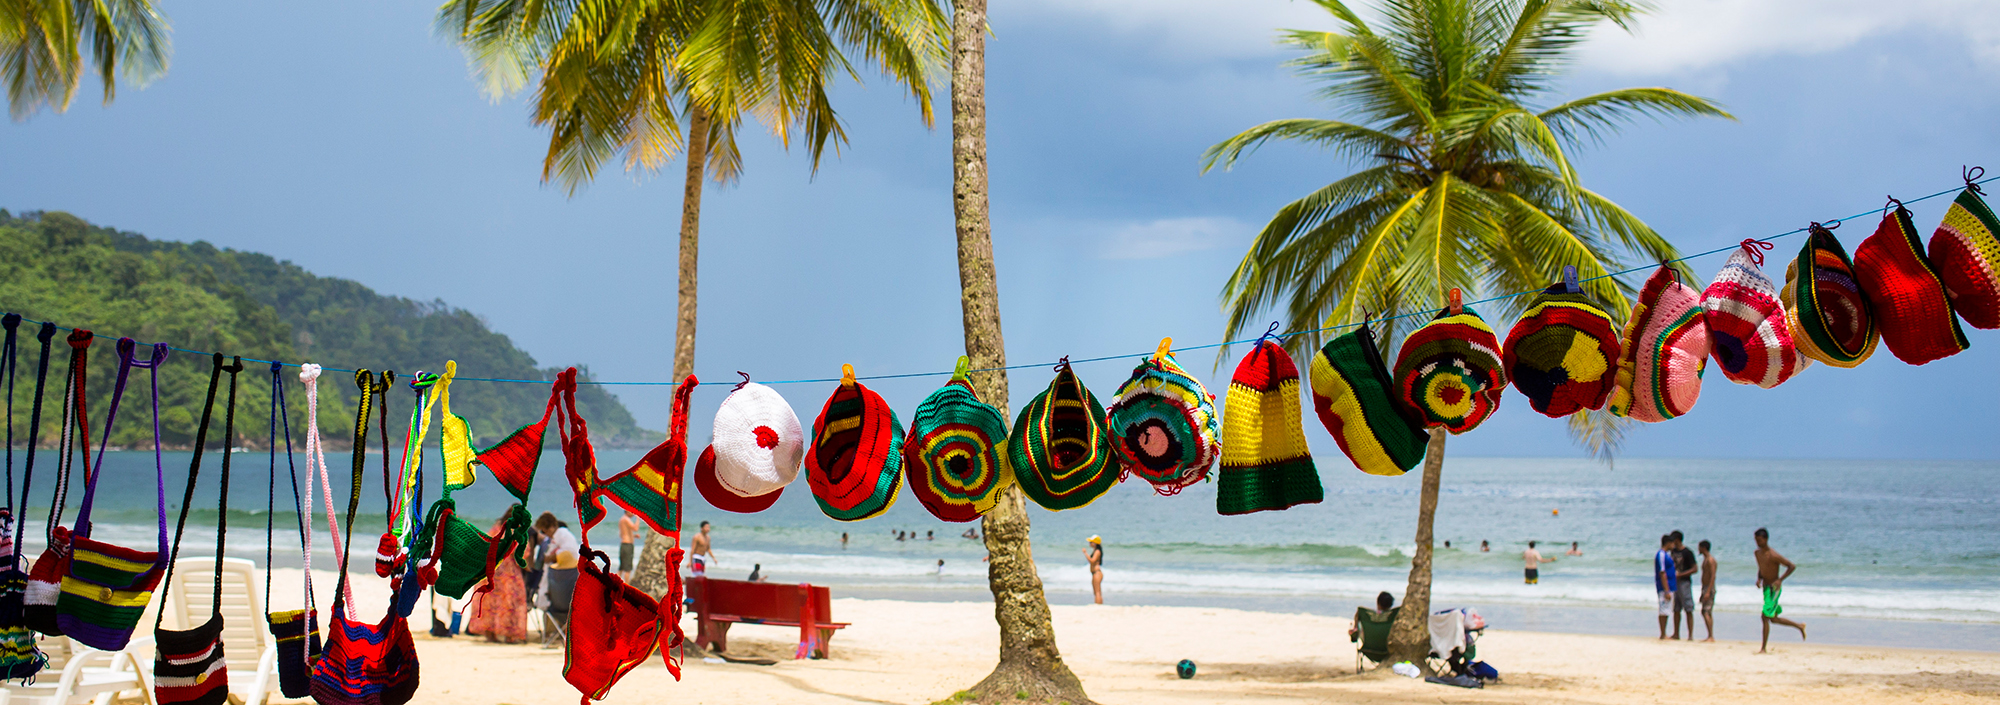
(367, 383)
(47, 336)
(194, 473)
(280, 415)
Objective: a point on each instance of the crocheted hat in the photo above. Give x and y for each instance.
(1666, 350)
(1163, 424)
(1061, 449)
(1965, 250)
(1830, 316)
(1449, 371)
(755, 450)
(1748, 331)
(1562, 352)
(1909, 300)
(1265, 462)
(856, 463)
(954, 456)
(1350, 385)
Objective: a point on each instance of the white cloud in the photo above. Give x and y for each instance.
(1167, 237)
(1195, 29)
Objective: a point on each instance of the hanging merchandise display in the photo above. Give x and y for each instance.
(20, 658)
(1563, 353)
(296, 632)
(1060, 450)
(1450, 371)
(1163, 424)
(105, 587)
(1749, 333)
(1911, 306)
(955, 456)
(1265, 462)
(1965, 250)
(1666, 351)
(757, 448)
(188, 668)
(364, 664)
(855, 466)
(1830, 316)
(459, 549)
(1351, 393)
(45, 578)
(513, 460)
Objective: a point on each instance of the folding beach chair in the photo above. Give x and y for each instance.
(1373, 636)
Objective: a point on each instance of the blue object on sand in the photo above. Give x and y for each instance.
(1185, 668)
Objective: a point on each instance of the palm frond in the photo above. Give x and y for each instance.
(1345, 139)
(1591, 118)
(1599, 433)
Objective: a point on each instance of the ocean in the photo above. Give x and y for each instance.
(1913, 542)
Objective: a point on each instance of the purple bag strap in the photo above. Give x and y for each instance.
(90, 473)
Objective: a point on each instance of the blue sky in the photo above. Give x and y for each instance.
(354, 143)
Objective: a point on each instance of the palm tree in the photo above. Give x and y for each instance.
(42, 44)
(618, 76)
(1031, 669)
(1464, 183)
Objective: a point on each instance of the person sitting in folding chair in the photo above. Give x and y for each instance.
(1371, 630)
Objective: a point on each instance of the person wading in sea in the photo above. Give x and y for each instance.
(1773, 583)
(1534, 559)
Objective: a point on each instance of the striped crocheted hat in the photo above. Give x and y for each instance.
(1163, 425)
(1666, 350)
(855, 466)
(1449, 371)
(1748, 332)
(1909, 300)
(756, 448)
(1966, 252)
(1265, 462)
(1060, 449)
(1830, 316)
(1562, 352)
(1350, 385)
(954, 456)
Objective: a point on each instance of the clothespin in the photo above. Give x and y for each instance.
(963, 368)
(1166, 346)
(1455, 301)
(846, 375)
(1569, 279)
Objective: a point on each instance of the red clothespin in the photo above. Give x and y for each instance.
(1455, 301)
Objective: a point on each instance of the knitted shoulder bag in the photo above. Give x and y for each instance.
(188, 668)
(295, 631)
(19, 657)
(105, 587)
(364, 664)
(45, 578)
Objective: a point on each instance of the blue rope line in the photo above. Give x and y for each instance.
(1106, 358)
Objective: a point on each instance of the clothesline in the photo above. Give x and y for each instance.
(1105, 358)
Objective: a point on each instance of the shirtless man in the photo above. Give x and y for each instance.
(1534, 559)
(628, 529)
(1773, 583)
(1574, 550)
(1708, 568)
(701, 553)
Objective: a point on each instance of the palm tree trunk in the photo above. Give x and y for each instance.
(1410, 638)
(650, 572)
(1031, 669)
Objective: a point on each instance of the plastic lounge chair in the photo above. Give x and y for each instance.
(1374, 637)
(79, 674)
(248, 647)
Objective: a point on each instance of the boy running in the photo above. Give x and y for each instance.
(1768, 578)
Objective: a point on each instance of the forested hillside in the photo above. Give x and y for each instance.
(57, 267)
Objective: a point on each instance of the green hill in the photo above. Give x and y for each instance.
(57, 267)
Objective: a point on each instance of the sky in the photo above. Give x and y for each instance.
(356, 144)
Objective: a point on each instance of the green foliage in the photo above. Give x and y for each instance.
(56, 267)
(43, 42)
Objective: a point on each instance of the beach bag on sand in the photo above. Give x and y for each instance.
(1909, 300)
(1450, 372)
(1831, 318)
(855, 466)
(1351, 384)
(1266, 464)
(188, 666)
(1060, 449)
(364, 664)
(1749, 333)
(38, 609)
(1666, 351)
(1966, 252)
(1164, 428)
(20, 658)
(1563, 353)
(954, 457)
(105, 588)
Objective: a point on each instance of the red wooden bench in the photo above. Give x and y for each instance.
(720, 603)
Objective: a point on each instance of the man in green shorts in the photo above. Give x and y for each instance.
(1768, 578)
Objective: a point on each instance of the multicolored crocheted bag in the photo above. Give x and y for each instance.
(1351, 392)
(855, 466)
(954, 457)
(1911, 306)
(105, 587)
(188, 666)
(1562, 353)
(1163, 424)
(1266, 464)
(1666, 351)
(364, 664)
(1749, 334)
(20, 658)
(1060, 449)
(1965, 251)
(1831, 318)
(1450, 371)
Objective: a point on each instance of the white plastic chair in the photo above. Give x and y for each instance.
(79, 674)
(248, 647)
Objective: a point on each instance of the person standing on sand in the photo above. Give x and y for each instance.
(701, 552)
(1708, 567)
(628, 529)
(1663, 581)
(1768, 578)
(1534, 560)
(1685, 565)
(1095, 555)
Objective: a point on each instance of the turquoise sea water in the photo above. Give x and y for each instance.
(1902, 540)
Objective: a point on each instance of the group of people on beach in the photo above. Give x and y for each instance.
(1674, 570)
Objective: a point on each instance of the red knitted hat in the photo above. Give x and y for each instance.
(1965, 250)
(1911, 306)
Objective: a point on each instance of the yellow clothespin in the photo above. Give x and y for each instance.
(1166, 346)
(846, 375)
